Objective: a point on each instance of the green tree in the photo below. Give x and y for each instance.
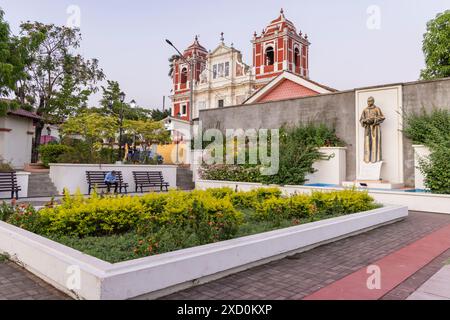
(436, 47)
(13, 59)
(94, 129)
(158, 115)
(112, 106)
(148, 132)
(59, 79)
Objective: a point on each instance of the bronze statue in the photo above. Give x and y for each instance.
(371, 119)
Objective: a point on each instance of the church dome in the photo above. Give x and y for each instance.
(279, 24)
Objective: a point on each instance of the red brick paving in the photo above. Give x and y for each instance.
(394, 269)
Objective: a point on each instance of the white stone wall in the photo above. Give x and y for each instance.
(73, 176)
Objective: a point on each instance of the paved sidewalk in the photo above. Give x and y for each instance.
(436, 288)
(18, 284)
(303, 274)
(289, 278)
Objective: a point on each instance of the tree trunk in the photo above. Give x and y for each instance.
(37, 141)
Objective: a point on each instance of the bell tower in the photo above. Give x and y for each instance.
(190, 65)
(280, 48)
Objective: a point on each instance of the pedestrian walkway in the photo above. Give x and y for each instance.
(437, 288)
(307, 273)
(302, 275)
(18, 284)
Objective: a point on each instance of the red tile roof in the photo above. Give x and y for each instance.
(25, 114)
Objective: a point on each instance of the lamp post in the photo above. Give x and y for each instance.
(122, 100)
(178, 139)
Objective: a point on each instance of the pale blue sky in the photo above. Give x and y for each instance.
(128, 36)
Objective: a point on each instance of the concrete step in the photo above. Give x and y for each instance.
(184, 179)
(40, 185)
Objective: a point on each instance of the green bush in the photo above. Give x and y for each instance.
(6, 210)
(117, 228)
(299, 148)
(433, 130)
(50, 153)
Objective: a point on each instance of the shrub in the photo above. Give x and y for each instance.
(300, 150)
(436, 170)
(433, 130)
(50, 153)
(342, 202)
(26, 217)
(5, 166)
(6, 210)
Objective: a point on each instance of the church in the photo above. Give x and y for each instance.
(280, 70)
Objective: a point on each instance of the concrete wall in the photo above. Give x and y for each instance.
(335, 109)
(73, 176)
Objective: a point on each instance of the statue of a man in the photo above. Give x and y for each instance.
(371, 119)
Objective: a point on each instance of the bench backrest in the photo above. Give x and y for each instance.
(8, 179)
(98, 177)
(148, 176)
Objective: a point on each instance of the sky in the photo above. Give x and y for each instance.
(355, 43)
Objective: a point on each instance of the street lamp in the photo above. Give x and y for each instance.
(122, 100)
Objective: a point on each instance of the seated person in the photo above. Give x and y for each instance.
(111, 180)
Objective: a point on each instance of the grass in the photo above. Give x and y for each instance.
(119, 248)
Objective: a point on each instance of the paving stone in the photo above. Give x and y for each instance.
(321, 266)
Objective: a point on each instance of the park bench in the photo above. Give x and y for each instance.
(149, 179)
(8, 183)
(96, 180)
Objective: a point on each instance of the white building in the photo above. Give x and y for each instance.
(16, 137)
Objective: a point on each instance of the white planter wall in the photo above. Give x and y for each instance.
(332, 171)
(22, 181)
(420, 152)
(73, 176)
(146, 277)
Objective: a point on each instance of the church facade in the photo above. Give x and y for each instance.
(221, 78)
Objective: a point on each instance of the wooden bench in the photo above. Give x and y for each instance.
(8, 183)
(149, 179)
(96, 180)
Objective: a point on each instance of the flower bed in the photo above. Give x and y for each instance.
(117, 229)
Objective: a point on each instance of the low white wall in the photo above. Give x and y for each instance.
(22, 181)
(73, 176)
(332, 171)
(420, 153)
(59, 265)
(415, 201)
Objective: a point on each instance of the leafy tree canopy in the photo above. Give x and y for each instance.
(436, 47)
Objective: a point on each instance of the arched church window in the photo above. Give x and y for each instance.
(270, 56)
(297, 57)
(184, 76)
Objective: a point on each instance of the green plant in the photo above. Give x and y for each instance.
(433, 130)
(436, 46)
(6, 210)
(50, 153)
(116, 228)
(300, 150)
(5, 166)
(26, 217)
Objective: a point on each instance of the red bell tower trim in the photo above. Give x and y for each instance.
(280, 48)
